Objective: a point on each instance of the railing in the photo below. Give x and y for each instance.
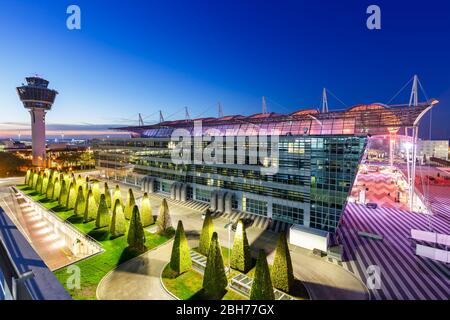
(92, 242)
(12, 282)
(243, 284)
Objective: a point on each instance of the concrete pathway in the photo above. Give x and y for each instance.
(137, 279)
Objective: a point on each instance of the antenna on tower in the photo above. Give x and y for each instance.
(187, 115)
(324, 101)
(264, 106)
(414, 99)
(161, 118)
(141, 122)
(220, 111)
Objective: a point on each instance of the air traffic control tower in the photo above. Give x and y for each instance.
(38, 99)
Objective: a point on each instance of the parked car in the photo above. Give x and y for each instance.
(247, 223)
(371, 205)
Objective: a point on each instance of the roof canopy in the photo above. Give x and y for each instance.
(374, 118)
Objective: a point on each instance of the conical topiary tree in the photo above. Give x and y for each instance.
(262, 288)
(282, 271)
(129, 204)
(180, 260)
(56, 189)
(96, 191)
(240, 255)
(91, 208)
(44, 184)
(146, 211)
(117, 221)
(214, 279)
(117, 195)
(73, 192)
(35, 180)
(107, 194)
(80, 203)
(206, 234)
(103, 216)
(136, 235)
(38, 187)
(50, 190)
(27, 176)
(163, 222)
(64, 195)
(30, 179)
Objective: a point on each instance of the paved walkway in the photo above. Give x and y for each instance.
(137, 279)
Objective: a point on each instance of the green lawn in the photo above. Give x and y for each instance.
(95, 268)
(188, 286)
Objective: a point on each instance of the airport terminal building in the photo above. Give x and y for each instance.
(318, 154)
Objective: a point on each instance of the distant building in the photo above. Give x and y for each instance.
(12, 145)
(432, 149)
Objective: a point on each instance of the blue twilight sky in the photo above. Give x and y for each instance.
(141, 56)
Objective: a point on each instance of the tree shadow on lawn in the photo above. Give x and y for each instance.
(130, 253)
(59, 208)
(74, 219)
(99, 234)
(201, 295)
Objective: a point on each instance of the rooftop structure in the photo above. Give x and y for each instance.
(358, 120)
(318, 158)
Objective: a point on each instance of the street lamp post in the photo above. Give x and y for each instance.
(228, 226)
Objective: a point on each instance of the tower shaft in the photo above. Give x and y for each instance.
(38, 136)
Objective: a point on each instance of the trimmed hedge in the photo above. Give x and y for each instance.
(206, 234)
(136, 235)
(64, 195)
(163, 222)
(146, 211)
(91, 208)
(107, 195)
(180, 260)
(80, 203)
(50, 190)
(72, 196)
(214, 279)
(262, 288)
(130, 203)
(117, 221)
(56, 189)
(240, 255)
(35, 180)
(282, 271)
(27, 176)
(96, 191)
(44, 185)
(103, 216)
(117, 195)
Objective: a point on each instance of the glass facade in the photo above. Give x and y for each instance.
(255, 206)
(288, 214)
(314, 177)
